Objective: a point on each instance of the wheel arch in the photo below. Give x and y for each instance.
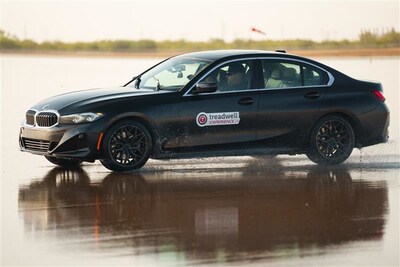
(354, 122)
(132, 117)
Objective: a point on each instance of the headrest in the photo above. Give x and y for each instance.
(289, 73)
(275, 75)
(236, 68)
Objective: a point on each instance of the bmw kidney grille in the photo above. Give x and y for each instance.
(43, 119)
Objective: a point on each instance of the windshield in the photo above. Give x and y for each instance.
(172, 74)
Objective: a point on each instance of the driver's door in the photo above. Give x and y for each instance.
(221, 117)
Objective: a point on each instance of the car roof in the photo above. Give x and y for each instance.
(216, 55)
(220, 54)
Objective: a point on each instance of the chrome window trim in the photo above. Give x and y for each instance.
(292, 87)
(226, 92)
(37, 113)
(331, 79)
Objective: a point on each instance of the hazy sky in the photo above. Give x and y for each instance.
(195, 20)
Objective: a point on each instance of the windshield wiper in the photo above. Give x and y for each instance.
(138, 80)
(158, 87)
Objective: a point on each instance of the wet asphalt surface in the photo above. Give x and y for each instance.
(224, 211)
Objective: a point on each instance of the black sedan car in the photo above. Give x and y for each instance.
(215, 103)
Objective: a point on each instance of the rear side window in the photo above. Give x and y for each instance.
(286, 74)
(314, 76)
(281, 74)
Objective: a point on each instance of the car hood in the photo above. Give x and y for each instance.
(61, 101)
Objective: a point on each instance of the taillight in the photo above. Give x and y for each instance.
(378, 95)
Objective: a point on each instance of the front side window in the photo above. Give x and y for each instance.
(233, 76)
(172, 74)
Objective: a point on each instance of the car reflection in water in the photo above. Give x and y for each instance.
(254, 212)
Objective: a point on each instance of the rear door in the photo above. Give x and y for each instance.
(290, 101)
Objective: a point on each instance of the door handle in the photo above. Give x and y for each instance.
(246, 101)
(312, 95)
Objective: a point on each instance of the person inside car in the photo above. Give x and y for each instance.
(235, 78)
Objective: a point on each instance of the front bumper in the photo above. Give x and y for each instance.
(64, 141)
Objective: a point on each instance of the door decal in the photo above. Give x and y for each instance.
(214, 119)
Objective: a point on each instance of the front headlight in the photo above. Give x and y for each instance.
(80, 118)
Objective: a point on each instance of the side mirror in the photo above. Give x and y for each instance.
(206, 88)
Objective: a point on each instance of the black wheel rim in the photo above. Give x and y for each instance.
(334, 139)
(128, 145)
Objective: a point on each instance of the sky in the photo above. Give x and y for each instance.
(73, 20)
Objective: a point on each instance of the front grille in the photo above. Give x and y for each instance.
(30, 117)
(46, 119)
(37, 145)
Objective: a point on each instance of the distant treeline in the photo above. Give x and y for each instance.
(367, 39)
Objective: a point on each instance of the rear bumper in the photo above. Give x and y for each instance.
(72, 141)
(374, 126)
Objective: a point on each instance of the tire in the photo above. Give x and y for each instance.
(65, 163)
(126, 146)
(331, 141)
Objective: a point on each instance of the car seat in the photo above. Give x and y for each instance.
(275, 80)
(290, 77)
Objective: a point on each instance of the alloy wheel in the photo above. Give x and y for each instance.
(127, 146)
(334, 139)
